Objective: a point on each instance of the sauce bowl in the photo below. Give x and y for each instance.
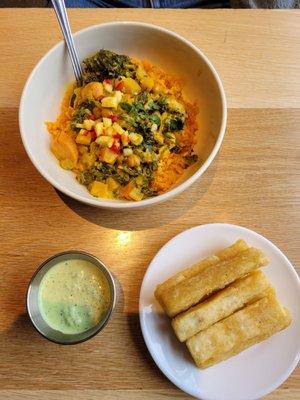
(33, 299)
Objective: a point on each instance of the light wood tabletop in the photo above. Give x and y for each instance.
(254, 182)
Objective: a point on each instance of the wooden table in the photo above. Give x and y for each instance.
(255, 182)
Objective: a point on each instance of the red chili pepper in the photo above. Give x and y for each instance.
(108, 81)
(116, 147)
(85, 133)
(117, 136)
(93, 135)
(119, 85)
(92, 117)
(113, 117)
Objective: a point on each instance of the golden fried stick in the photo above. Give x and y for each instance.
(246, 327)
(225, 254)
(192, 290)
(243, 291)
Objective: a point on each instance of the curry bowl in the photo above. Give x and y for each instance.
(43, 93)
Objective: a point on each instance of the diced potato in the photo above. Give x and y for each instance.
(118, 128)
(109, 131)
(108, 156)
(131, 86)
(109, 102)
(118, 95)
(64, 147)
(147, 83)
(83, 139)
(136, 138)
(107, 122)
(88, 159)
(112, 184)
(88, 124)
(66, 164)
(135, 194)
(100, 189)
(99, 128)
(105, 141)
(93, 90)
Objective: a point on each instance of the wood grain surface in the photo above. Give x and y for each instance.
(254, 182)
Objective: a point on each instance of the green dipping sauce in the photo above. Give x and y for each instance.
(74, 296)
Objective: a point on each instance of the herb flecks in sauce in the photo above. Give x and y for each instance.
(74, 296)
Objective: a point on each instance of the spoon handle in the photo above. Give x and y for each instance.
(61, 14)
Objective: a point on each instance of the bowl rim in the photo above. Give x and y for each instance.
(99, 264)
(111, 204)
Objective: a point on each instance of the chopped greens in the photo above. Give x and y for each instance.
(126, 106)
(155, 119)
(107, 65)
(174, 124)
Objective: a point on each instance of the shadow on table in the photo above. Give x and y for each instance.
(149, 217)
(138, 340)
(179, 349)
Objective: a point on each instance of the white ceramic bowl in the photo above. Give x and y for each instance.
(46, 84)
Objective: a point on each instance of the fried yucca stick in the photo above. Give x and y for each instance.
(191, 291)
(225, 254)
(246, 327)
(225, 302)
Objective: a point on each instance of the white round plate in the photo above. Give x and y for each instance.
(249, 375)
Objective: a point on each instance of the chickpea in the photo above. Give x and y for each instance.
(133, 160)
(93, 90)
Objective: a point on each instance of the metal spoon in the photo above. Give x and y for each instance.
(61, 14)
